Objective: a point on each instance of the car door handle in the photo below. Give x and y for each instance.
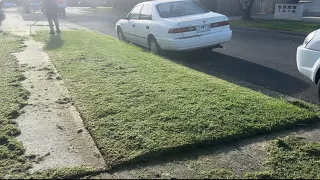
(133, 25)
(147, 27)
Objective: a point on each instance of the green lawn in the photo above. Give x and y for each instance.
(286, 25)
(136, 104)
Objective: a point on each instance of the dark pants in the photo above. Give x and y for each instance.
(53, 16)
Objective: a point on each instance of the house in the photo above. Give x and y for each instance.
(311, 7)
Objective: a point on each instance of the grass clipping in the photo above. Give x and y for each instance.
(136, 104)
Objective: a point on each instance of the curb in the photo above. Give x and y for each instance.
(280, 32)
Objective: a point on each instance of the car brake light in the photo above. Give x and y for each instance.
(219, 24)
(181, 30)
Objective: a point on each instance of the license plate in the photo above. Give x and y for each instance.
(203, 28)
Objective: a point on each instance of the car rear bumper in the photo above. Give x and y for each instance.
(308, 62)
(187, 44)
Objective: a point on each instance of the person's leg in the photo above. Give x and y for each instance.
(56, 22)
(50, 25)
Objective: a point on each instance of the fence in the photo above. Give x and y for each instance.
(227, 7)
(231, 7)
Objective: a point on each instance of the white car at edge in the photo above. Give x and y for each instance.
(308, 58)
(177, 25)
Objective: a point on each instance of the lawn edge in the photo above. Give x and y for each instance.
(274, 31)
(153, 155)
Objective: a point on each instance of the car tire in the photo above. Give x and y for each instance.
(318, 90)
(121, 37)
(154, 46)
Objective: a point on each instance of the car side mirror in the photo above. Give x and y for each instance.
(125, 17)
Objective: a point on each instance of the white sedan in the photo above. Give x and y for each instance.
(308, 58)
(178, 25)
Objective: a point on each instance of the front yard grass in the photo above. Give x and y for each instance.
(286, 25)
(136, 104)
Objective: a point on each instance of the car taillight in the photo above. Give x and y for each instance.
(219, 24)
(181, 30)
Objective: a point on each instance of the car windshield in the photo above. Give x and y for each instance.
(180, 8)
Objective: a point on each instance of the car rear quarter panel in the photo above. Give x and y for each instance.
(314, 44)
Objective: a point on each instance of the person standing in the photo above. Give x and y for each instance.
(51, 7)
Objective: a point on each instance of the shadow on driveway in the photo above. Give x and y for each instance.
(221, 65)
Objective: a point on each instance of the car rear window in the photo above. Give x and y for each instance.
(180, 8)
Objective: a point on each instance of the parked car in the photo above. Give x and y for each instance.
(62, 6)
(9, 4)
(178, 25)
(308, 58)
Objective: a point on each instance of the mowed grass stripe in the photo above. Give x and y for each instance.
(135, 103)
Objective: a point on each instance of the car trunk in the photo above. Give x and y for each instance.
(202, 22)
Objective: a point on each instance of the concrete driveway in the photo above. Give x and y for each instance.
(260, 58)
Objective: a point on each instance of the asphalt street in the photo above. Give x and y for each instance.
(264, 59)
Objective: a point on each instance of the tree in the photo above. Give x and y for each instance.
(245, 6)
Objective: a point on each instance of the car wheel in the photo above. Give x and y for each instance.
(319, 90)
(154, 46)
(121, 36)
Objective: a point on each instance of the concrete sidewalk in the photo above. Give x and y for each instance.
(51, 128)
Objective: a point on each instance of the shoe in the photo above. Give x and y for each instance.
(51, 32)
(58, 31)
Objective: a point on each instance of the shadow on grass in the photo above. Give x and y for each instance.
(54, 42)
(218, 64)
(241, 72)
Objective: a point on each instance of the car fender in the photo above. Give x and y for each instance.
(315, 69)
(120, 23)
